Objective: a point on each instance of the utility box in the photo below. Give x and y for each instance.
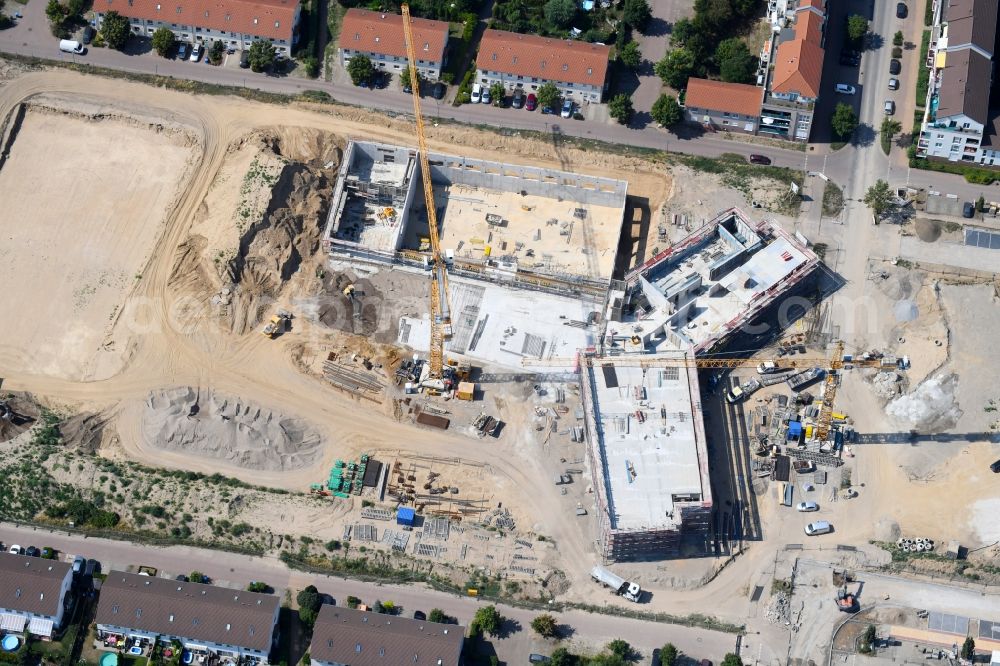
(466, 391)
(406, 516)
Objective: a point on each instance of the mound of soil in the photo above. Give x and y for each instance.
(206, 423)
(927, 230)
(18, 412)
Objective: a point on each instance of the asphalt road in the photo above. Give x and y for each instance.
(234, 570)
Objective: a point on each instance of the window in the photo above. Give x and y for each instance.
(277, 24)
(179, 9)
(590, 71)
(565, 67)
(965, 125)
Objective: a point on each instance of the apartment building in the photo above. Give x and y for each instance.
(578, 69)
(211, 623)
(794, 71)
(379, 35)
(236, 23)
(958, 124)
(345, 636)
(716, 105)
(34, 594)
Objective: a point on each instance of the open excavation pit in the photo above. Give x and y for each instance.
(86, 190)
(210, 424)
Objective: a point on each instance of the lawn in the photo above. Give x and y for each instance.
(924, 75)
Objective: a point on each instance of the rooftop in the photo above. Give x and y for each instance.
(652, 442)
(382, 32)
(31, 584)
(347, 636)
(274, 19)
(965, 86)
(532, 56)
(738, 98)
(971, 22)
(190, 610)
(798, 62)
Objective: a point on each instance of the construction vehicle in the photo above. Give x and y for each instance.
(742, 392)
(622, 587)
(440, 311)
(278, 324)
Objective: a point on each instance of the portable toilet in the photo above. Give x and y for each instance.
(466, 391)
(794, 430)
(405, 516)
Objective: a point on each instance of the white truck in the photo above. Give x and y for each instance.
(622, 587)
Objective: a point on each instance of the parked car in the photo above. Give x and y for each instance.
(182, 578)
(14, 549)
(195, 53)
(78, 564)
(968, 210)
(485, 96)
(760, 159)
(32, 551)
(850, 58)
(845, 89)
(890, 107)
(517, 100)
(244, 59)
(895, 67)
(901, 10)
(477, 93)
(893, 84)
(567, 109)
(548, 110)
(92, 567)
(88, 34)
(819, 527)
(419, 615)
(531, 103)
(535, 658)
(380, 80)
(182, 51)
(995, 467)
(807, 506)
(439, 90)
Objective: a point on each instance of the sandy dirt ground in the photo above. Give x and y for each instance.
(96, 195)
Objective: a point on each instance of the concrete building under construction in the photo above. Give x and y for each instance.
(647, 454)
(695, 294)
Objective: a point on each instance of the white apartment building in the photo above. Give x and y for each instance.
(379, 35)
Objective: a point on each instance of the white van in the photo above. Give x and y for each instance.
(477, 93)
(819, 527)
(71, 46)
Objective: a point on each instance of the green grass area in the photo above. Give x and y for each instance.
(885, 141)
(924, 73)
(837, 145)
(334, 18)
(929, 12)
(833, 199)
(976, 175)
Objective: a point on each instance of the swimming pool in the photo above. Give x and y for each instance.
(10, 643)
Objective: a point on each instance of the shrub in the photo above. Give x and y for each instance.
(163, 41)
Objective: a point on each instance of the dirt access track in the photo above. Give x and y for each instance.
(162, 345)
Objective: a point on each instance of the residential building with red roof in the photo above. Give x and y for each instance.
(379, 35)
(719, 105)
(795, 73)
(578, 69)
(236, 23)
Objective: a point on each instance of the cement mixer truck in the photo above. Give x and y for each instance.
(622, 587)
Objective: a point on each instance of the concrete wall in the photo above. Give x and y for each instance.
(549, 183)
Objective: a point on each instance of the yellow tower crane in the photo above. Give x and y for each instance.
(440, 312)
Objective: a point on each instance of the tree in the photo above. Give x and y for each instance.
(560, 13)
(636, 14)
(668, 655)
(548, 95)
(844, 120)
(562, 657)
(163, 41)
(353, 601)
(115, 29)
(969, 648)
(676, 68)
(736, 63)
(437, 615)
(488, 620)
(857, 26)
(497, 93)
(259, 586)
(197, 577)
(360, 68)
(630, 55)
(216, 52)
(867, 639)
(544, 625)
(666, 111)
(309, 598)
(878, 198)
(732, 660)
(890, 128)
(897, 39)
(404, 78)
(621, 649)
(620, 108)
(260, 55)
(55, 12)
(311, 66)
